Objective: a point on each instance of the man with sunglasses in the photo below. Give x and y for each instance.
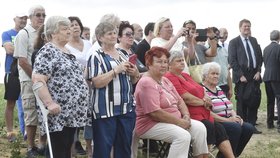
(23, 51)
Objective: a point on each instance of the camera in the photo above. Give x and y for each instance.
(186, 32)
(202, 35)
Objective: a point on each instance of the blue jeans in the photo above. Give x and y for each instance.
(20, 115)
(114, 132)
(238, 135)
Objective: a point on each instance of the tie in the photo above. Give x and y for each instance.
(249, 54)
(223, 45)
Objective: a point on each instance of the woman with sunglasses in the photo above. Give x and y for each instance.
(126, 39)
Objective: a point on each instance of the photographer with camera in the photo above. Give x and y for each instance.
(164, 38)
(225, 81)
(202, 35)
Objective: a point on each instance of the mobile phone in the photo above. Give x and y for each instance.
(132, 59)
(202, 35)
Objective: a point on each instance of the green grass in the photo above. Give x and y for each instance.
(263, 146)
(2, 112)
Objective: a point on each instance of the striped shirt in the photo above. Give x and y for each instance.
(115, 98)
(221, 105)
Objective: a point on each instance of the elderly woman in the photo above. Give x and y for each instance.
(199, 104)
(126, 39)
(239, 132)
(80, 49)
(63, 89)
(112, 76)
(162, 114)
(164, 38)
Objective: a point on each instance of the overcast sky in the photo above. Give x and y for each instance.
(264, 15)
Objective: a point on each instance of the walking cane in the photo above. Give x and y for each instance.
(45, 113)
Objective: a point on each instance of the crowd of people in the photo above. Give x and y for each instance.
(122, 87)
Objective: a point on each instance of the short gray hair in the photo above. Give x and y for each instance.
(175, 54)
(103, 28)
(274, 35)
(53, 23)
(207, 66)
(111, 18)
(32, 10)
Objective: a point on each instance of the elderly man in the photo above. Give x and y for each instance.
(23, 51)
(138, 35)
(11, 81)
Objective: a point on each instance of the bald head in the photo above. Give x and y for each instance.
(223, 34)
(138, 32)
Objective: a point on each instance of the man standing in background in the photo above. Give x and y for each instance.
(138, 35)
(23, 51)
(11, 81)
(271, 78)
(245, 59)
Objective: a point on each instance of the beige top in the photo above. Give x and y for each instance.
(24, 48)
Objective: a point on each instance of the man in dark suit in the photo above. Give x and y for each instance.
(271, 78)
(245, 59)
(144, 45)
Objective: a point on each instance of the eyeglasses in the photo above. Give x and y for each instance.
(38, 15)
(129, 34)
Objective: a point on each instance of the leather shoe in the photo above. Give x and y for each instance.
(256, 131)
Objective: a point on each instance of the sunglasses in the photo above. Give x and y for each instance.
(129, 34)
(38, 15)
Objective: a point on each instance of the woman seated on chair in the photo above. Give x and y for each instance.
(162, 114)
(239, 132)
(199, 103)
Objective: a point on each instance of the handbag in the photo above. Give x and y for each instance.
(196, 70)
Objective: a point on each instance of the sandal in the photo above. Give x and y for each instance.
(11, 136)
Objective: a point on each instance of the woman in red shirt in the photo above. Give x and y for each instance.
(199, 104)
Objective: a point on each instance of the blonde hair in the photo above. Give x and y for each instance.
(158, 25)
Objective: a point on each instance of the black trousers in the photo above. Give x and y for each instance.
(272, 89)
(62, 141)
(248, 108)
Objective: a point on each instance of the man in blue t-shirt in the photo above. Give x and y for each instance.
(11, 81)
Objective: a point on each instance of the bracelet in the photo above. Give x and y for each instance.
(114, 75)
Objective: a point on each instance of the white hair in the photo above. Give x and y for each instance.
(32, 10)
(207, 66)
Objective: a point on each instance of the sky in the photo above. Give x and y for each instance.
(264, 15)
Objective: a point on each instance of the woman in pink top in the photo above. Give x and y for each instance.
(162, 114)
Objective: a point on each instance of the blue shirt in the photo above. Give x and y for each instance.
(8, 36)
(116, 98)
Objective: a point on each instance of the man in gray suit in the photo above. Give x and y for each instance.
(245, 59)
(271, 78)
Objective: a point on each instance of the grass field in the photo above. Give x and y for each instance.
(265, 145)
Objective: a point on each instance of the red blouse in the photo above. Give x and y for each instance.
(189, 85)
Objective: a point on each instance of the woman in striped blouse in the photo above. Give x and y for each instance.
(239, 132)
